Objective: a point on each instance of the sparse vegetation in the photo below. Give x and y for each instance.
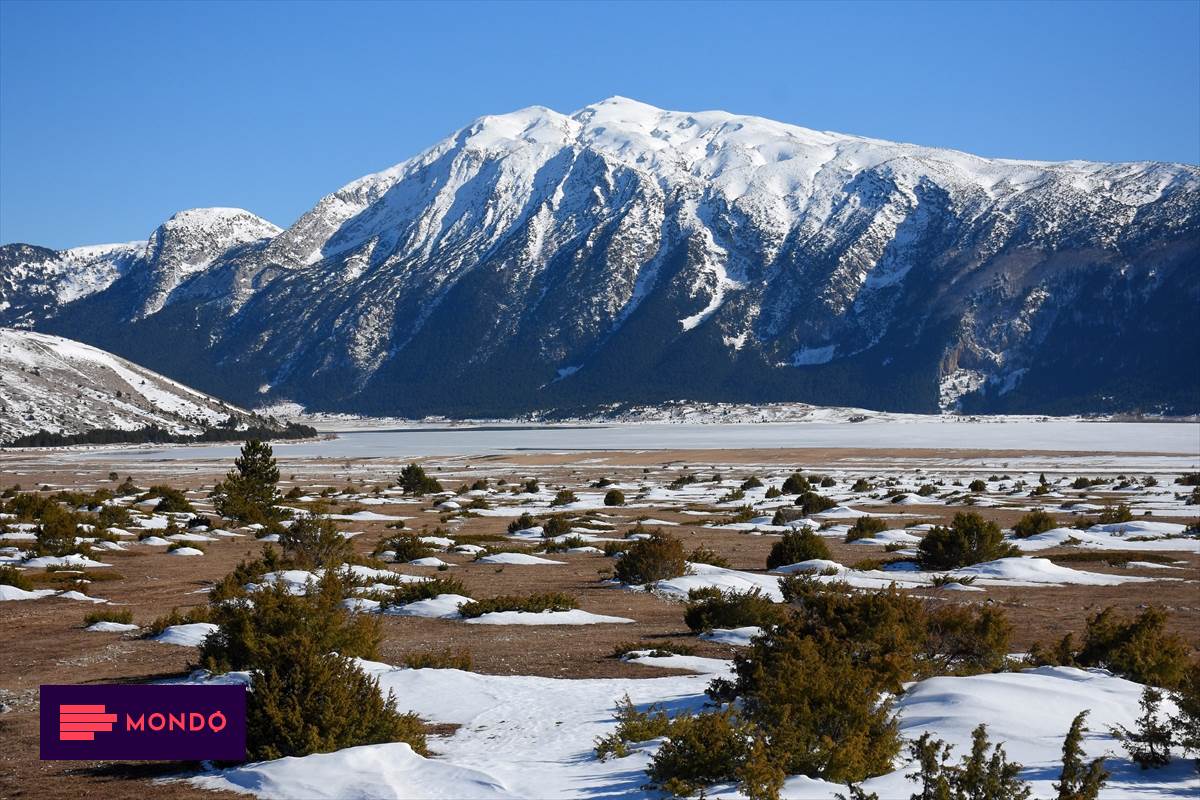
(530, 604)
(796, 546)
(614, 497)
(656, 558)
(439, 659)
(711, 608)
(314, 543)
(865, 528)
(121, 616)
(11, 576)
(1033, 523)
(970, 539)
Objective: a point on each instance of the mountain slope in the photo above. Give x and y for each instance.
(58, 385)
(625, 253)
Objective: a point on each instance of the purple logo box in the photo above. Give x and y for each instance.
(142, 722)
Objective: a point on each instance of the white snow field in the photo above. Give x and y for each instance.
(532, 737)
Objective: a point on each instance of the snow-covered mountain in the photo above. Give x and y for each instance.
(629, 254)
(61, 386)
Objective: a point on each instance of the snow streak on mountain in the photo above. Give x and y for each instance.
(629, 254)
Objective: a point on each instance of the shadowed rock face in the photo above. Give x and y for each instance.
(625, 253)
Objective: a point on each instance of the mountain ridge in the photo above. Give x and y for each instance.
(628, 254)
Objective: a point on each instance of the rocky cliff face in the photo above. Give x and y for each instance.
(625, 253)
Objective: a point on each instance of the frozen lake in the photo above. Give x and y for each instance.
(1056, 435)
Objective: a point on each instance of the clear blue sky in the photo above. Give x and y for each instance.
(115, 115)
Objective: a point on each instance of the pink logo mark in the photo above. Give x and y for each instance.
(81, 723)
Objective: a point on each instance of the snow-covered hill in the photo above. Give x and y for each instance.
(625, 253)
(62, 386)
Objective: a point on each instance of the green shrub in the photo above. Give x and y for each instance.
(1033, 523)
(970, 539)
(862, 485)
(413, 591)
(865, 528)
(705, 555)
(111, 516)
(978, 776)
(822, 713)
(1140, 649)
(632, 726)
(1078, 781)
(192, 615)
(682, 481)
(965, 640)
(11, 576)
(309, 700)
(124, 617)
(521, 523)
(926, 490)
(751, 483)
(796, 483)
(533, 604)
(439, 659)
(796, 546)
(565, 544)
(977, 485)
(700, 750)
(1120, 513)
(614, 497)
(813, 503)
(274, 620)
(657, 649)
(406, 546)
(413, 480)
(557, 525)
(233, 584)
(1186, 725)
(1149, 745)
(170, 501)
(315, 542)
(773, 492)
(650, 560)
(614, 548)
(711, 608)
(564, 497)
(57, 532)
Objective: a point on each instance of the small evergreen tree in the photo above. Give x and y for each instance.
(1186, 726)
(249, 494)
(413, 480)
(1141, 649)
(1150, 744)
(796, 484)
(1077, 781)
(970, 539)
(614, 497)
(796, 546)
(307, 701)
(865, 527)
(654, 559)
(988, 777)
(315, 542)
(1033, 523)
(823, 715)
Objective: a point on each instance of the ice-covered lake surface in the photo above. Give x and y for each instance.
(1074, 436)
